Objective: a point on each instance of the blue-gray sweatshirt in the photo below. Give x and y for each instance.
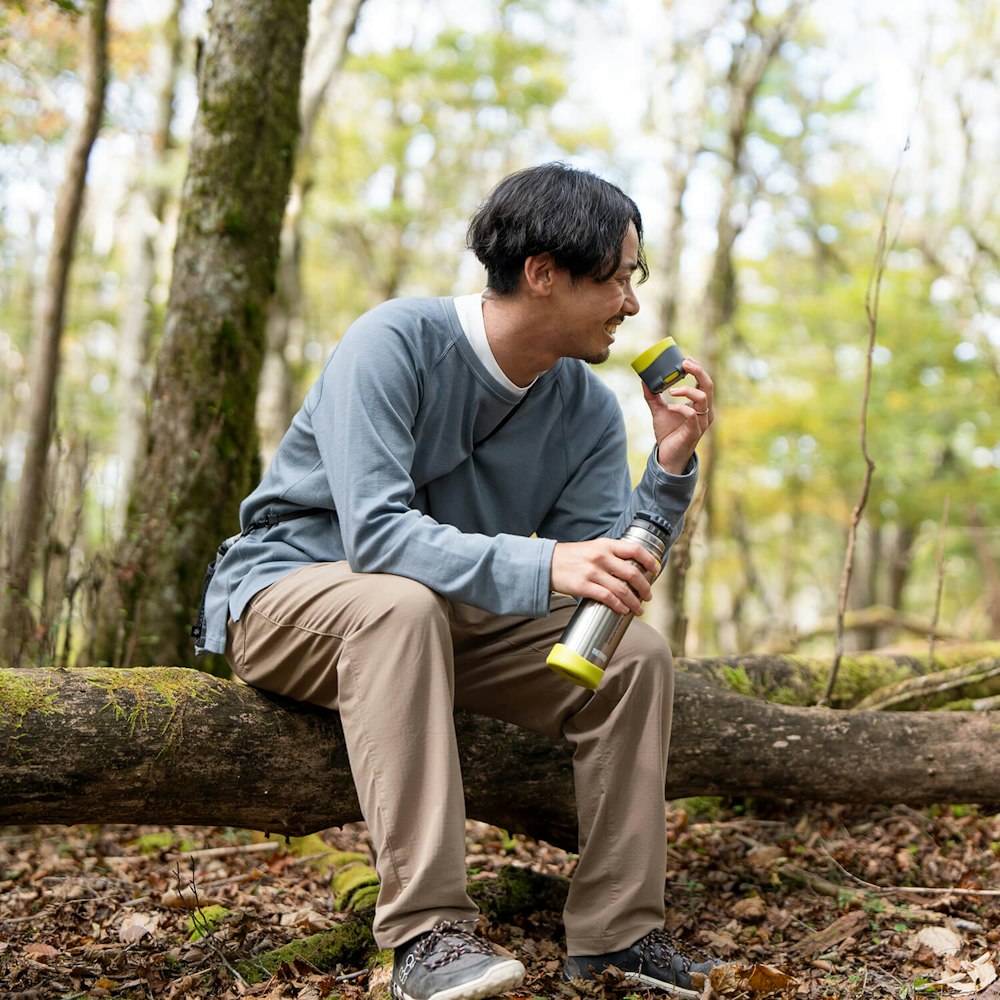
(386, 448)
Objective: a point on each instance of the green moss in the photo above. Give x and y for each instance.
(234, 223)
(354, 887)
(205, 920)
(518, 891)
(701, 808)
(138, 694)
(341, 859)
(21, 693)
(151, 843)
(347, 945)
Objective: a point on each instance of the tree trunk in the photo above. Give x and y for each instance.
(166, 745)
(201, 456)
(331, 24)
(23, 547)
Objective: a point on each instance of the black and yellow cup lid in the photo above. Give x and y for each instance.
(660, 365)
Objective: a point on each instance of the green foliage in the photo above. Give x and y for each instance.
(412, 138)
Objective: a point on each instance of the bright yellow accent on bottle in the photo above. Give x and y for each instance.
(648, 356)
(574, 667)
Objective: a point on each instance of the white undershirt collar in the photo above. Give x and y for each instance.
(470, 316)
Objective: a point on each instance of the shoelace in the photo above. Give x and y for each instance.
(447, 941)
(661, 950)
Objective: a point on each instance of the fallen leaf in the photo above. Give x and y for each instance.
(734, 980)
(721, 942)
(764, 855)
(724, 980)
(767, 979)
(40, 951)
(973, 977)
(940, 940)
(752, 908)
(137, 926)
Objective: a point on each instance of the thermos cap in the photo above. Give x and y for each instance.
(661, 365)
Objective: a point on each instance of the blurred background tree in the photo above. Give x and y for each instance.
(759, 137)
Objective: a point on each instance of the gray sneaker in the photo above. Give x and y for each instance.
(449, 962)
(652, 961)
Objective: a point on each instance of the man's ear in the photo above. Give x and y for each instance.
(539, 273)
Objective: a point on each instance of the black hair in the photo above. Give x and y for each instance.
(578, 217)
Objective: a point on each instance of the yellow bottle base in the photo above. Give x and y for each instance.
(574, 667)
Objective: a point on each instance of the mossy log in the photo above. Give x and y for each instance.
(168, 745)
(958, 687)
(863, 679)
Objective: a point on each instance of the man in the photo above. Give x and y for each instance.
(456, 469)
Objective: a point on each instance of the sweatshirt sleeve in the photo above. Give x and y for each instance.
(363, 419)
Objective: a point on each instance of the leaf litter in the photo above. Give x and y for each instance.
(804, 901)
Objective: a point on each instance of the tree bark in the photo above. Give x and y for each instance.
(331, 24)
(166, 745)
(201, 455)
(23, 545)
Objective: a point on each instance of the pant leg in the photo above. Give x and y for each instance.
(621, 736)
(378, 649)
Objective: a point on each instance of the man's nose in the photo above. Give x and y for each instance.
(631, 305)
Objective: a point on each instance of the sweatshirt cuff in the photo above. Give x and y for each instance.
(690, 471)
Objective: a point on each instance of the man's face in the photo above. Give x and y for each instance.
(594, 309)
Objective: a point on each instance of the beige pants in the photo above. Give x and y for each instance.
(393, 658)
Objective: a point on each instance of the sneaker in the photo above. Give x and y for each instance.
(449, 962)
(652, 961)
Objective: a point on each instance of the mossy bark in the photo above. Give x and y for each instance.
(201, 455)
(513, 893)
(789, 679)
(176, 746)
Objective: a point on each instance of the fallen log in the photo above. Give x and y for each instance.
(794, 679)
(167, 745)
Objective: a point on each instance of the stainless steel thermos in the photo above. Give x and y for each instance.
(594, 631)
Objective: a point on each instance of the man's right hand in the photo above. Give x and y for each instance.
(604, 570)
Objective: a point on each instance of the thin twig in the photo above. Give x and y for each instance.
(940, 579)
(872, 296)
(940, 891)
(224, 852)
(204, 927)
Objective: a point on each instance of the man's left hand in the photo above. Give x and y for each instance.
(681, 415)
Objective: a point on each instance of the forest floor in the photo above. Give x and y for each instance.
(105, 911)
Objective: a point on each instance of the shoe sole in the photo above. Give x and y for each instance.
(496, 980)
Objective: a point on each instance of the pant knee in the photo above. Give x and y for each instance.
(642, 662)
(407, 603)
